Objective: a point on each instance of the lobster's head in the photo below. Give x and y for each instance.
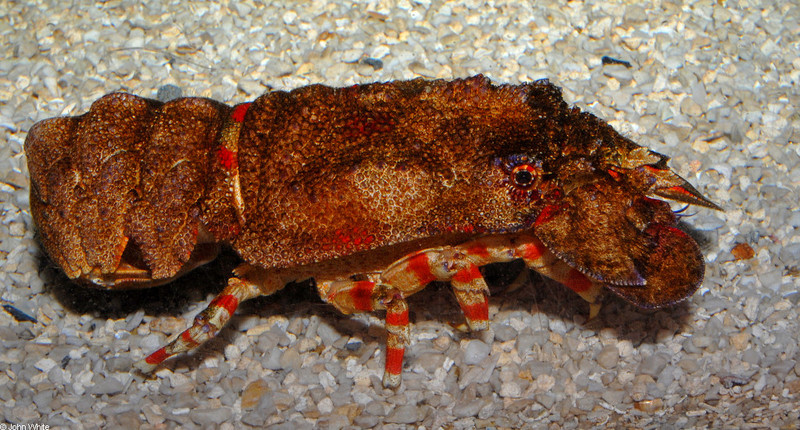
(596, 200)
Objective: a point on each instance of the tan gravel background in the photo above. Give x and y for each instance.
(714, 84)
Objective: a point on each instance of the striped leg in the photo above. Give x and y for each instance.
(493, 249)
(247, 285)
(366, 296)
(414, 272)
(458, 265)
(398, 336)
(402, 279)
(472, 293)
(538, 258)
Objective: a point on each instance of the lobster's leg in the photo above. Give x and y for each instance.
(368, 295)
(458, 265)
(402, 279)
(493, 249)
(538, 258)
(414, 272)
(247, 284)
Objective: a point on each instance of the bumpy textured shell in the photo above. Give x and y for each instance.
(130, 167)
(329, 171)
(332, 172)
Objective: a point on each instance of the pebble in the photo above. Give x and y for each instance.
(525, 343)
(328, 334)
(619, 72)
(43, 400)
(430, 361)
(689, 365)
(510, 389)
(653, 365)
(253, 393)
(106, 385)
(367, 421)
(608, 357)
(405, 414)
(45, 364)
(206, 417)
(467, 409)
(258, 415)
(475, 351)
(119, 363)
(478, 374)
(504, 333)
(168, 92)
(333, 422)
(57, 376)
(290, 359)
(325, 406)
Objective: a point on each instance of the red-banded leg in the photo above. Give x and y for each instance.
(402, 279)
(415, 271)
(398, 336)
(246, 285)
(458, 265)
(350, 296)
(538, 258)
(493, 249)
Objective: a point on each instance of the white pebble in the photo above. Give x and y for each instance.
(475, 351)
(325, 406)
(45, 364)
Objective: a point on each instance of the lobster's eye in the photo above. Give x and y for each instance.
(523, 175)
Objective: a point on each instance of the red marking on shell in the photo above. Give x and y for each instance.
(394, 360)
(577, 281)
(613, 174)
(656, 229)
(467, 275)
(476, 312)
(157, 357)
(472, 228)
(342, 236)
(239, 112)
(227, 158)
(361, 293)
(224, 231)
(368, 124)
(349, 238)
(421, 268)
(548, 213)
(397, 318)
(227, 302)
(680, 190)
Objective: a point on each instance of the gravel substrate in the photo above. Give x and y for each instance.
(713, 84)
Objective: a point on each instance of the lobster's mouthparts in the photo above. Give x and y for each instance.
(666, 184)
(649, 172)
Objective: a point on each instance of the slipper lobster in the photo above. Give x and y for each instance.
(374, 191)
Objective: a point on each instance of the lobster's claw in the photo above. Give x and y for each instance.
(674, 269)
(625, 240)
